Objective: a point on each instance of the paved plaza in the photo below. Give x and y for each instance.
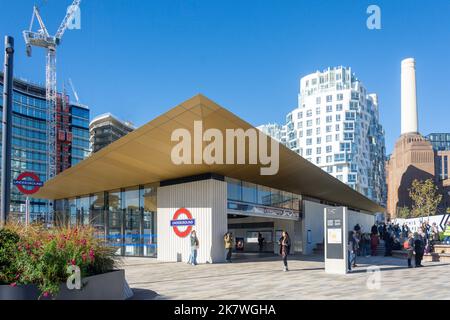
(255, 277)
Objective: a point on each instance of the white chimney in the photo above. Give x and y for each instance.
(409, 101)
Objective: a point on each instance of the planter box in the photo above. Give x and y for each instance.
(106, 286)
(27, 292)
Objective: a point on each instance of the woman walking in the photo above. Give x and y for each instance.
(194, 248)
(285, 243)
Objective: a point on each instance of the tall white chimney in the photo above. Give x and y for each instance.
(409, 101)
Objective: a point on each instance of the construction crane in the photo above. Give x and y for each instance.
(43, 39)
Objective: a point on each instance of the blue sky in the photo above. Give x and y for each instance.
(139, 58)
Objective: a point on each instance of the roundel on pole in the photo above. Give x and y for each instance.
(29, 179)
(176, 223)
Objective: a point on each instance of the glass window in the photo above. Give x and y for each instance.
(249, 192)
(98, 213)
(83, 210)
(114, 235)
(149, 238)
(132, 222)
(264, 195)
(234, 189)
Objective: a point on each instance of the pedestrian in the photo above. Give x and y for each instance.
(351, 253)
(419, 248)
(228, 239)
(374, 229)
(260, 241)
(374, 242)
(447, 234)
(285, 243)
(367, 245)
(409, 246)
(194, 248)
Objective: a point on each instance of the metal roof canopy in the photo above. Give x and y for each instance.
(144, 156)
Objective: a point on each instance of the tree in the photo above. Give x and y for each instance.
(404, 213)
(425, 197)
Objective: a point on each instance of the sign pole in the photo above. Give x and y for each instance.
(27, 211)
(7, 129)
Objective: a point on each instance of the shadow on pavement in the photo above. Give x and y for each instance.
(143, 294)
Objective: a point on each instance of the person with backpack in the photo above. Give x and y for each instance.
(408, 245)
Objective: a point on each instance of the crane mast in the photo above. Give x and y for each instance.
(43, 39)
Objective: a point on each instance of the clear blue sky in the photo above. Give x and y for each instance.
(139, 58)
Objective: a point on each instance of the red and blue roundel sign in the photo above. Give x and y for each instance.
(176, 223)
(28, 179)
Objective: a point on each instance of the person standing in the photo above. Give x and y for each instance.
(351, 253)
(228, 239)
(285, 243)
(374, 242)
(374, 229)
(409, 246)
(194, 248)
(260, 241)
(419, 248)
(447, 234)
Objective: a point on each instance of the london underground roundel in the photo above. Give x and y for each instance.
(28, 179)
(182, 219)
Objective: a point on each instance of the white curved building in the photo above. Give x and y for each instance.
(336, 126)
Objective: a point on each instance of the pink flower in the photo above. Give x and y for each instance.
(45, 294)
(83, 242)
(83, 257)
(73, 262)
(14, 284)
(17, 277)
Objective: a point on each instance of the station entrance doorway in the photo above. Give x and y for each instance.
(256, 234)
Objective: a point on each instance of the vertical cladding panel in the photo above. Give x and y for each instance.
(206, 200)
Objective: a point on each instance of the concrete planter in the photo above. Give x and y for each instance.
(27, 292)
(106, 286)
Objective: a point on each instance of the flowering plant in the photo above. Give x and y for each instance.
(41, 256)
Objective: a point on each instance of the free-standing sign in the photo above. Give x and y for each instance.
(29, 179)
(335, 228)
(176, 222)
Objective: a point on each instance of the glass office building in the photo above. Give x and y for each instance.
(29, 141)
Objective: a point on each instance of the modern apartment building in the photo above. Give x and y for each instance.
(275, 131)
(336, 126)
(29, 139)
(105, 129)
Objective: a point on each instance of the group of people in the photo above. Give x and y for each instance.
(284, 242)
(395, 237)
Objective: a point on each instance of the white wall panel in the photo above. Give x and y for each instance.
(207, 201)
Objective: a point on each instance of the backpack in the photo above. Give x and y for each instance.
(406, 245)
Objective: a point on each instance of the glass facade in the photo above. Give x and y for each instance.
(250, 193)
(29, 142)
(80, 132)
(29, 147)
(440, 141)
(126, 217)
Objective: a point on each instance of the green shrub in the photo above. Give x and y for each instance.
(8, 247)
(43, 255)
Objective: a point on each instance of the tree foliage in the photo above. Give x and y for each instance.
(426, 198)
